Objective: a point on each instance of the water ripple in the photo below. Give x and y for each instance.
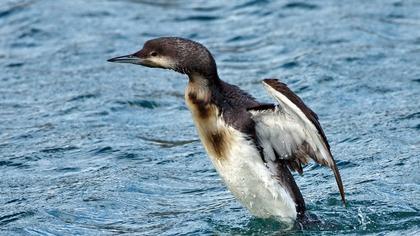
(168, 143)
(300, 5)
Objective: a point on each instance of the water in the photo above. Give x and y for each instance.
(90, 147)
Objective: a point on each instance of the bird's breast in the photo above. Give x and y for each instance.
(214, 133)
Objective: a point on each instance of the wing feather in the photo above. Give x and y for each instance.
(291, 131)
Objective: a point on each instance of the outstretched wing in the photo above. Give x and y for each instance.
(291, 131)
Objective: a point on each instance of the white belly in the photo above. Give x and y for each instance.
(252, 183)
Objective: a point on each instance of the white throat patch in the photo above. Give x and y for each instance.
(162, 61)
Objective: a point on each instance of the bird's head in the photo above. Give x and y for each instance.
(182, 55)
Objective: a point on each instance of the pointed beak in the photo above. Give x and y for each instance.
(127, 59)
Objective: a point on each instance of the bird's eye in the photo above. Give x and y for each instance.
(153, 54)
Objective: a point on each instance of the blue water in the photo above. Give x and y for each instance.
(89, 147)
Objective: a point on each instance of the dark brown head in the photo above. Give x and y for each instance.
(182, 55)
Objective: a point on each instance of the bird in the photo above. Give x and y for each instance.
(254, 146)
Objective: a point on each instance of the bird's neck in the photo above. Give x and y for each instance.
(202, 85)
(211, 78)
(199, 87)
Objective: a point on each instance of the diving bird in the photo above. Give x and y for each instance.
(254, 146)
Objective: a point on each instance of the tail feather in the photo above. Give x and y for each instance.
(339, 182)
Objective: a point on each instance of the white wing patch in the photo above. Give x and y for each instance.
(286, 129)
(276, 135)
